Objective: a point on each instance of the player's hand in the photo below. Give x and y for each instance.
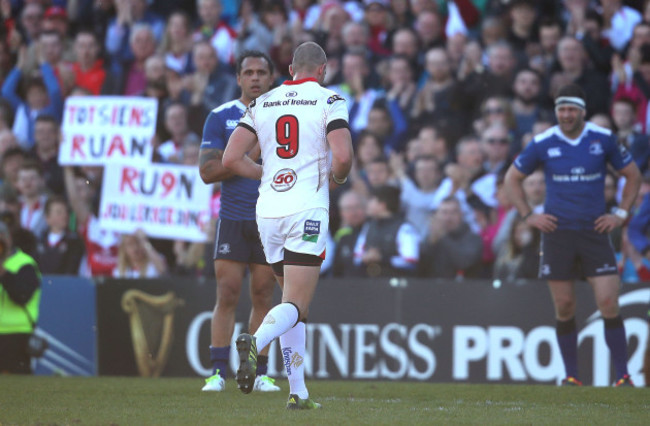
(371, 255)
(544, 222)
(607, 223)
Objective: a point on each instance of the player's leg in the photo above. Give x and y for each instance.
(299, 287)
(557, 266)
(606, 291)
(229, 277)
(564, 301)
(261, 292)
(599, 264)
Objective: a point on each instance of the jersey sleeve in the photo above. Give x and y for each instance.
(337, 114)
(247, 119)
(528, 160)
(617, 155)
(213, 136)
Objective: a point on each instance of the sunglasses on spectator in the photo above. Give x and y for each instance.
(492, 141)
(493, 111)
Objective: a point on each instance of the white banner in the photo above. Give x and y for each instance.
(165, 200)
(101, 129)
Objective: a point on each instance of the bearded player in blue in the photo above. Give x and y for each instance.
(237, 242)
(575, 225)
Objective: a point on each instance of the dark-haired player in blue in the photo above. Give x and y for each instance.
(237, 242)
(575, 224)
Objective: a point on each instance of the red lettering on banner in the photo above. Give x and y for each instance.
(136, 116)
(117, 143)
(77, 141)
(168, 181)
(128, 175)
(71, 111)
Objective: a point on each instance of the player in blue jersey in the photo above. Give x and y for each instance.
(575, 224)
(237, 243)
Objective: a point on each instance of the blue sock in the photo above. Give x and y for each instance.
(220, 357)
(567, 339)
(617, 343)
(262, 365)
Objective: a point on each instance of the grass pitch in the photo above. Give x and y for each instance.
(138, 401)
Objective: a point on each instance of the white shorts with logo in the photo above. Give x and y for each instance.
(303, 232)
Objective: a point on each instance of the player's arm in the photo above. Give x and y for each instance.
(242, 140)
(340, 142)
(211, 167)
(608, 221)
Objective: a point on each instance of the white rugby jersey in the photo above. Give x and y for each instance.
(291, 123)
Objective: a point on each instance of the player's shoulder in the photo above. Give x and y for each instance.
(547, 135)
(596, 129)
(228, 107)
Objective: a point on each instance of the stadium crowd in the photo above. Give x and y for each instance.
(442, 95)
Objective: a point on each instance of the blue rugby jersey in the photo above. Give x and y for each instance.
(574, 172)
(238, 194)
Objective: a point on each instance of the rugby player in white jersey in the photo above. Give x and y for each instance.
(304, 137)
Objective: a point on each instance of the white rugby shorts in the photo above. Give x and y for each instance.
(303, 232)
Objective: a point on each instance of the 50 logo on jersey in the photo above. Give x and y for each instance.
(284, 180)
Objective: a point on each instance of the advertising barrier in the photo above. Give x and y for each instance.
(421, 330)
(67, 321)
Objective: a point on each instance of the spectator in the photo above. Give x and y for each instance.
(430, 29)
(571, 57)
(20, 292)
(400, 90)
(7, 141)
(209, 86)
(31, 21)
(217, 32)
(417, 193)
(49, 48)
(628, 134)
(496, 110)
(258, 32)
(128, 77)
(119, 35)
(176, 123)
(352, 208)
(138, 259)
(42, 96)
(377, 18)
(101, 245)
(58, 250)
(406, 43)
(10, 215)
(433, 143)
(355, 88)
(177, 43)
(495, 143)
(11, 162)
(535, 192)
(526, 105)
(46, 152)
(387, 245)
(519, 258)
(435, 101)
(619, 22)
(378, 173)
(6, 115)
(522, 34)
(31, 189)
(450, 249)
(89, 72)
(389, 124)
(550, 33)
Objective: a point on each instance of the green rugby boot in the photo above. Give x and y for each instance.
(295, 403)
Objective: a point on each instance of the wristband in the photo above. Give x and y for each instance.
(523, 218)
(621, 213)
(339, 181)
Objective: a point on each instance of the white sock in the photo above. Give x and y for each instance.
(279, 319)
(293, 352)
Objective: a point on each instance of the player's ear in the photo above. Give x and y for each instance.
(291, 70)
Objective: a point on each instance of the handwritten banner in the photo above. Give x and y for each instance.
(102, 129)
(166, 201)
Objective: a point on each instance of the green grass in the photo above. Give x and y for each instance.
(138, 401)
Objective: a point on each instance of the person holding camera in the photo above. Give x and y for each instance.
(20, 296)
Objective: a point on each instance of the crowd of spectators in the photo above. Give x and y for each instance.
(442, 95)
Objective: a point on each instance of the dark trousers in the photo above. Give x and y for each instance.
(13, 354)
